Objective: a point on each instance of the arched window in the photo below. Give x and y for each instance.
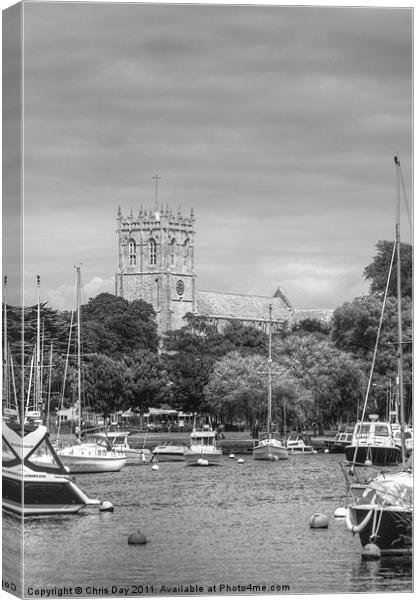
(185, 252)
(132, 252)
(172, 252)
(153, 252)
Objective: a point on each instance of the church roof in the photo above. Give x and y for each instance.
(239, 306)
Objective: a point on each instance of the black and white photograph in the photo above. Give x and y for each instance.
(207, 309)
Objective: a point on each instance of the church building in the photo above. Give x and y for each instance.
(157, 264)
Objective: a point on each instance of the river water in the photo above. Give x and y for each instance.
(235, 525)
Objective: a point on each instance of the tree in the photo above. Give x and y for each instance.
(114, 327)
(237, 388)
(377, 271)
(104, 385)
(144, 379)
(332, 379)
(354, 330)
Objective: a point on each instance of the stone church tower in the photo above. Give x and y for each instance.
(156, 263)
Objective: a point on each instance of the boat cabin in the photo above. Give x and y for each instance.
(377, 432)
(34, 449)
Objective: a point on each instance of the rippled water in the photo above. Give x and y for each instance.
(236, 525)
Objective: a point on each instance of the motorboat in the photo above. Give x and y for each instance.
(203, 450)
(299, 443)
(35, 481)
(408, 438)
(382, 514)
(269, 448)
(373, 443)
(169, 452)
(338, 443)
(117, 441)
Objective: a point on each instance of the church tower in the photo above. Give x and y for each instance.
(156, 263)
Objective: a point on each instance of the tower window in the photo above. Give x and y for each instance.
(153, 252)
(132, 252)
(185, 253)
(172, 252)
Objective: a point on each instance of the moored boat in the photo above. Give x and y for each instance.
(299, 443)
(269, 448)
(203, 450)
(35, 481)
(87, 457)
(382, 515)
(338, 443)
(91, 458)
(169, 452)
(373, 443)
(117, 441)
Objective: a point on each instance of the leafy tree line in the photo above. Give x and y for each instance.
(319, 371)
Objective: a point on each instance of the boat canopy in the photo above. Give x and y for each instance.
(34, 449)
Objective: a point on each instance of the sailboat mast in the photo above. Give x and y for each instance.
(5, 345)
(270, 370)
(399, 311)
(38, 346)
(78, 346)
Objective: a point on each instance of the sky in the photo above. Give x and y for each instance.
(277, 125)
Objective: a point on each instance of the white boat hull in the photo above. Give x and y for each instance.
(201, 458)
(138, 457)
(269, 451)
(89, 459)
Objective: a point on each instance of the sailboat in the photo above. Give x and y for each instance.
(382, 510)
(268, 447)
(88, 457)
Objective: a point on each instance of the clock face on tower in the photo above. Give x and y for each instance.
(180, 287)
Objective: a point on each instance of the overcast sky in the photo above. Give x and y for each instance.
(278, 125)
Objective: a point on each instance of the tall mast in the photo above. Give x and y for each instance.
(270, 370)
(5, 345)
(38, 346)
(78, 287)
(399, 311)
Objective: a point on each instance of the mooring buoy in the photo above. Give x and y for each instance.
(326, 450)
(368, 462)
(155, 468)
(137, 537)
(340, 512)
(319, 521)
(106, 506)
(240, 461)
(231, 455)
(371, 552)
(202, 462)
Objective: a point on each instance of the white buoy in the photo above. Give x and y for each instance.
(314, 451)
(326, 450)
(240, 461)
(319, 521)
(231, 455)
(368, 462)
(202, 462)
(371, 552)
(340, 512)
(155, 468)
(275, 457)
(106, 506)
